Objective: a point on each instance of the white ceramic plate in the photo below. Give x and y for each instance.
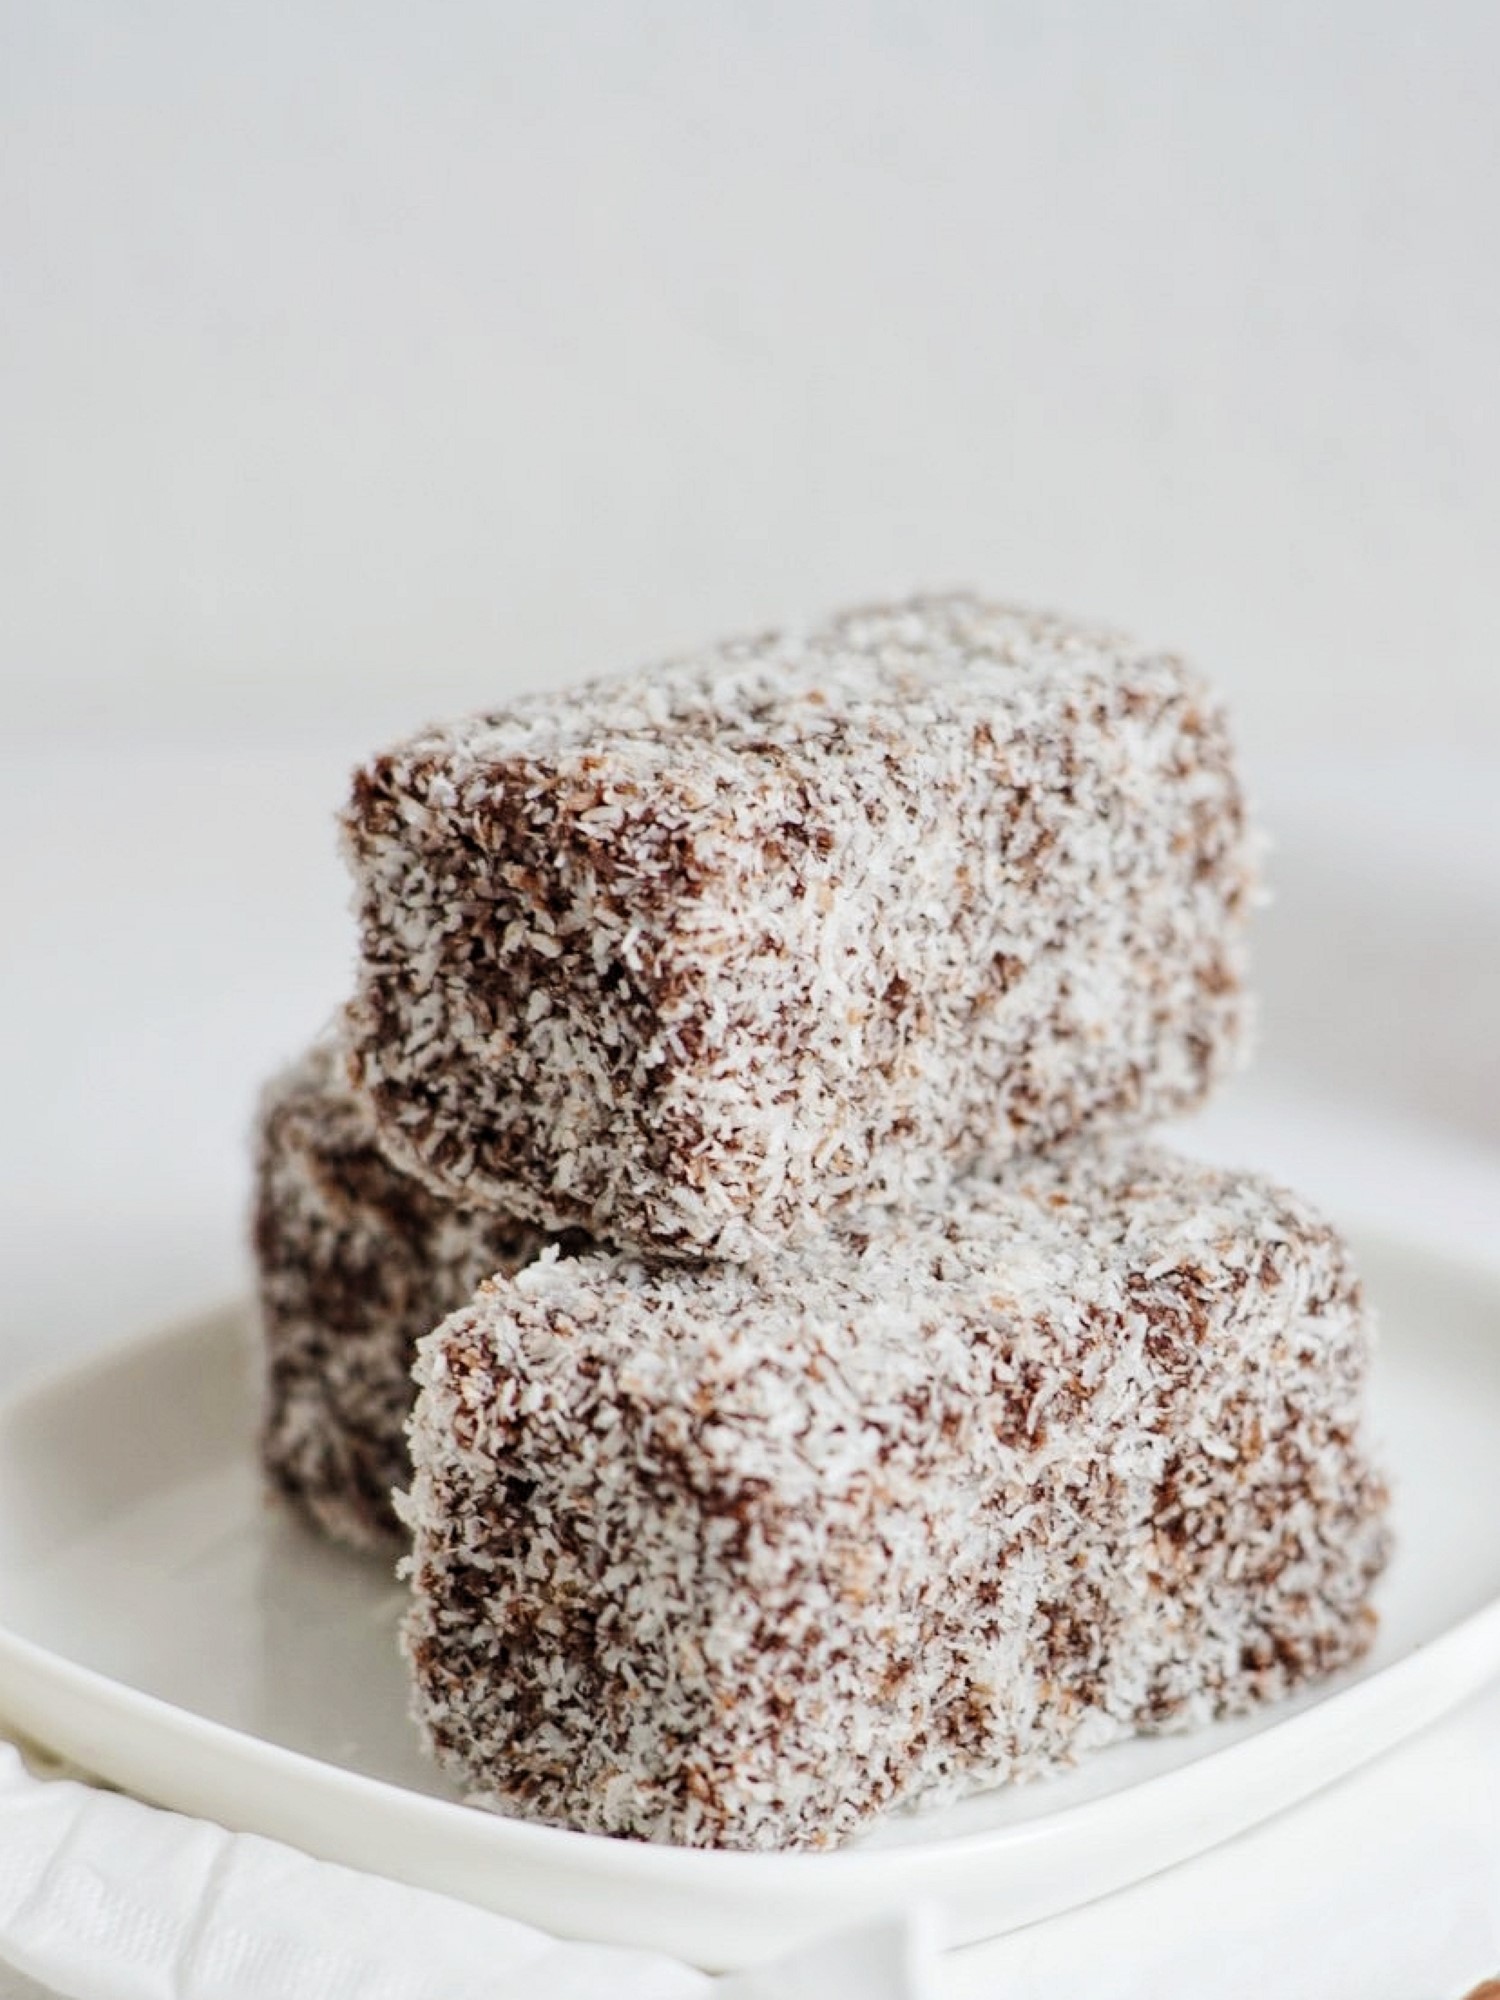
(168, 1629)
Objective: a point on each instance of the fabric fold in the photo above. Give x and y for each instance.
(104, 1898)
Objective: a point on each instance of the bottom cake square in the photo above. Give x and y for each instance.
(746, 1556)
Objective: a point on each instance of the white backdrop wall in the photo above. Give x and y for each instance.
(362, 362)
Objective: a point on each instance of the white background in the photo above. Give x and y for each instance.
(363, 361)
(358, 364)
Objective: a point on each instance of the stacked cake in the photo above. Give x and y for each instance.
(824, 1399)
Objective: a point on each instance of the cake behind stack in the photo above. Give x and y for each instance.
(355, 1261)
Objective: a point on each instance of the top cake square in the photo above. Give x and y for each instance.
(702, 957)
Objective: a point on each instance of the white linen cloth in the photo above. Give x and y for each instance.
(103, 1898)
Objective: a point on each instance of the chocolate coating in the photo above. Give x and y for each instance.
(746, 1556)
(702, 958)
(354, 1262)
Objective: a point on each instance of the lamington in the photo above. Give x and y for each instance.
(745, 1556)
(702, 958)
(354, 1262)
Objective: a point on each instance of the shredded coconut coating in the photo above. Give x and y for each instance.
(354, 1262)
(745, 1556)
(700, 957)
